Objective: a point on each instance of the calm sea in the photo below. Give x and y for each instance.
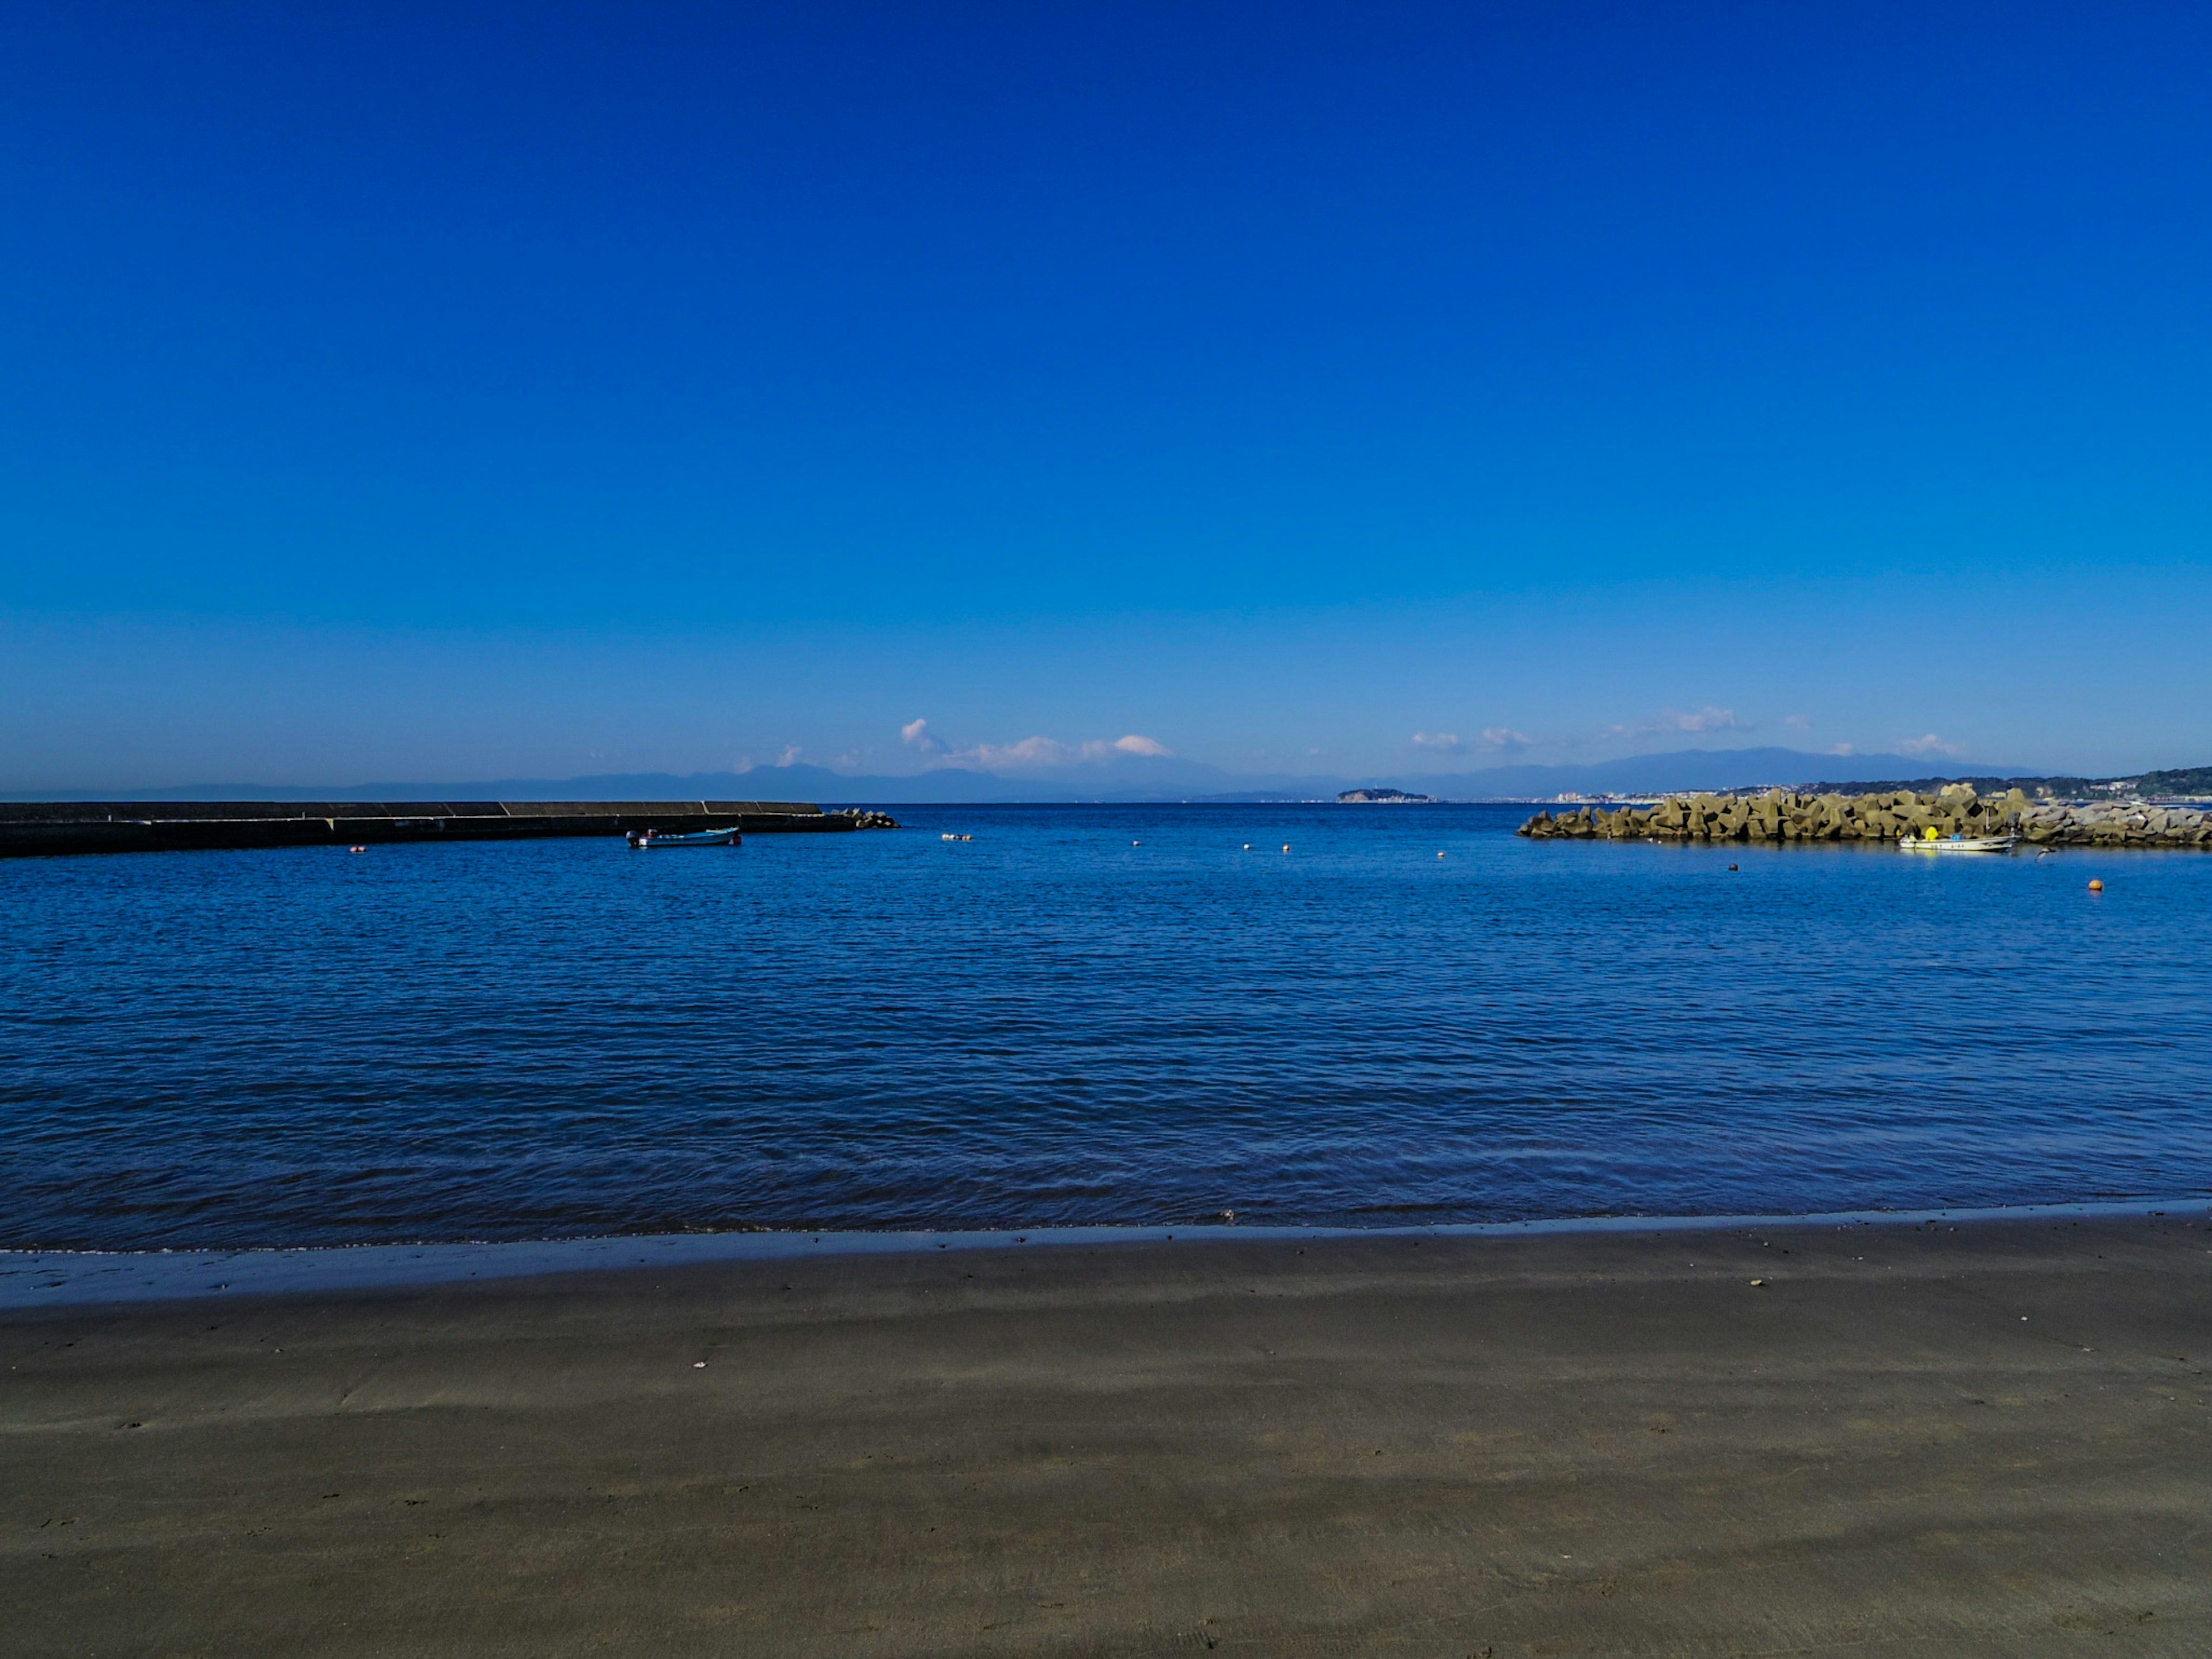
(1085, 1014)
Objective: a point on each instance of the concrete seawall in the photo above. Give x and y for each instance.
(1780, 816)
(28, 828)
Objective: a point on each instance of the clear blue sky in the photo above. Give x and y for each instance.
(439, 391)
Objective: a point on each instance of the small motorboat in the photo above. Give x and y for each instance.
(1932, 842)
(639, 840)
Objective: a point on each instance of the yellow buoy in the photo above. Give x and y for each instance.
(2096, 886)
(1286, 846)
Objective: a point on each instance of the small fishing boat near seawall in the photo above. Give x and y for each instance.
(1933, 842)
(640, 840)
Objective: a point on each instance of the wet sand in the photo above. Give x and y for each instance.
(1982, 1440)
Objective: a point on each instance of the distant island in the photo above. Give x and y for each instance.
(1384, 798)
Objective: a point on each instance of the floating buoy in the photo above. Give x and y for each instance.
(2096, 886)
(1248, 845)
(1440, 855)
(1286, 846)
(356, 850)
(1731, 867)
(1136, 843)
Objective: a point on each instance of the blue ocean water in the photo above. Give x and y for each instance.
(1085, 1014)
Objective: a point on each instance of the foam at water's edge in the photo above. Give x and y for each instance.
(50, 1278)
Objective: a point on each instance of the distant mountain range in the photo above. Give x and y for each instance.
(1139, 779)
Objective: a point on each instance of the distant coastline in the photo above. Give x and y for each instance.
(1635, 778)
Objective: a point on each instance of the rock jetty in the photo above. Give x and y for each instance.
(1779, 815)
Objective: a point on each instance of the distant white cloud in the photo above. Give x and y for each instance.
(1673, 721)
(1797, 720)
(747, 764)
(1030, 752)
(916, 734)
(1704, 719)
(1841, 748)
(1931, 745)
(1493, 737)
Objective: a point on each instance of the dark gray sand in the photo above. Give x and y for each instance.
(1989, 1440)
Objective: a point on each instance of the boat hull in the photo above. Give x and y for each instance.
(642, 840)
(1960, 844)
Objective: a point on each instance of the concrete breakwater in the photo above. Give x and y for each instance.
(1778, 814)
(50, 826)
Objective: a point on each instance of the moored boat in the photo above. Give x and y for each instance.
(1932, 842)
(640, 840)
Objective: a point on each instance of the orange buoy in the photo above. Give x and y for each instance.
(2096, 886)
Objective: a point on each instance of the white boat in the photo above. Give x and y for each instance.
(1957, 844)
(640, 840)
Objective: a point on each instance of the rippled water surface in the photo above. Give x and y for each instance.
(1085, 1014)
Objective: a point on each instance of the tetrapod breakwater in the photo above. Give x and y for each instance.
(1779, 815)
(29, 827)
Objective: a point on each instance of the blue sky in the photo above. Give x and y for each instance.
(435, 391)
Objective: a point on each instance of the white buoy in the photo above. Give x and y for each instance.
(1286, 846)
(1248, 845)
(1440, 855)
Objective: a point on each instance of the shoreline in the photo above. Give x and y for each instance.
(31, 1279)
(1945, 1442)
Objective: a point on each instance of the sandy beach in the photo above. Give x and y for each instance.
(1987, 1439)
